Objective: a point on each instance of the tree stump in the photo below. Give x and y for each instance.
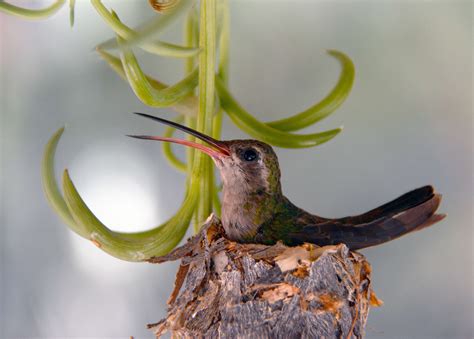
(225, 289)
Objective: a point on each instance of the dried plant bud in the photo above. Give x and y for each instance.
(163, 6)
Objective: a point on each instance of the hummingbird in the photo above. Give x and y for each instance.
(254, 209)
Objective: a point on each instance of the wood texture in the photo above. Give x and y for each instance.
(228, 290)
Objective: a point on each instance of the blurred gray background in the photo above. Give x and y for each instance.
(408, 122)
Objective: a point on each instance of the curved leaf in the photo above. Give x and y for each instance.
(262, 131)
(187, 106)
(326, 106)
(31, 14)
(143, 88)
(50, 187)
(130, 246)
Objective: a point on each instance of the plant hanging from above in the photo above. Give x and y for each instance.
(205, 49)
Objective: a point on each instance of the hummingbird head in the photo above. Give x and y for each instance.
(251, 166)
(246, 166)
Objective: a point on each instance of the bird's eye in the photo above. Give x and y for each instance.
(250, 155)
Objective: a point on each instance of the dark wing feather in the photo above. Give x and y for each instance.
(411, 212)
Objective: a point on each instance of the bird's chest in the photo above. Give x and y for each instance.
(242, 215)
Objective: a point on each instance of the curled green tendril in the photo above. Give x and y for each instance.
(31, 14)
(168, 150)
(262, 131)
(137, 246)
(326, 106)
(157, 47)
(145, 91)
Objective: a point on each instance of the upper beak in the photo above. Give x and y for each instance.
(220, 148)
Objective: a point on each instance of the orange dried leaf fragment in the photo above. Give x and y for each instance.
(280, 292)
(374, 301)
(330, 303)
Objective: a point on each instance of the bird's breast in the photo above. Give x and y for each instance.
(243, 214)
(238, 226)
(240, 214)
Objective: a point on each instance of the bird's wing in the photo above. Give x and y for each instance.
(410, 212)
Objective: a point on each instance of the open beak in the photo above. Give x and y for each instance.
(218, 149)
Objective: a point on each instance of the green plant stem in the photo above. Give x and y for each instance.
(204, 121)
(191, 39)
(223, 68)
(168, 148)
(223, 74)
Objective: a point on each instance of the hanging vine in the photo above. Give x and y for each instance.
(205, 49)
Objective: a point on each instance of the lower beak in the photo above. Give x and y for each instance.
(219, 148)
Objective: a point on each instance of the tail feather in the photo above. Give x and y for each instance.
(402, 203)
(411, 212)
(431, 221)
(393, 227)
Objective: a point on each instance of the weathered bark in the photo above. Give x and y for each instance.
(228, 290)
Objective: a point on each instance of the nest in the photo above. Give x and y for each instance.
(225, 289)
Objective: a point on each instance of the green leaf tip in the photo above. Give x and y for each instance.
(72, 5)
(31, 14)
(51, 188)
